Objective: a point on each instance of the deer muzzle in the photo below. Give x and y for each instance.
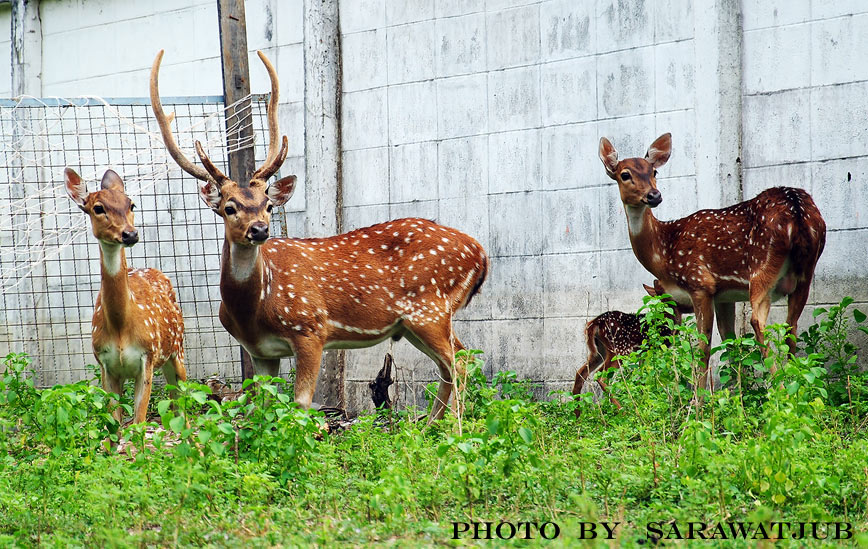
(258, 232)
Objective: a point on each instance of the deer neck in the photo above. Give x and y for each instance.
(241, 263)
(114, 287)
(241, 273)
(646, 237)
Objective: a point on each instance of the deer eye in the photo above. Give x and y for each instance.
(269, 208)
(98, 209)
(229, 210)
(625, 176)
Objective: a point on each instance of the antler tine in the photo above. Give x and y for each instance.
(275, 156)
(216, 174)
(165, 122)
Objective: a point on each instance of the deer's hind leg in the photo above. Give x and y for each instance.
(608, 363)
(795, 305)
(438, 343)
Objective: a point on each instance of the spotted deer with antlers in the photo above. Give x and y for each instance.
(615, 333)
(284, 297)
(759, 250)
(136, 323)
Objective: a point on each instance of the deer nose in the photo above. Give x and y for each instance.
(654, 198)
(258, 232)
(130, 237)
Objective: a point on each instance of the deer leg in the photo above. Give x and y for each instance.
(608, 364)
(585, 370)
(441, 348)
(760, 304)
(112, 384)
(725, 313)
(142, 394)
(703, 307)
(173, 370)
(308, 353)
(594, 358)
(795, 305)
(266, 366)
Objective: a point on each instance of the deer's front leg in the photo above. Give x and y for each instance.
(142, 394)
(308, 353)
(266, 366)
(703, 307)
(112, 384)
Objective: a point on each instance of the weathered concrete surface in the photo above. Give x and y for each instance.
(486, 117)
(498, 136)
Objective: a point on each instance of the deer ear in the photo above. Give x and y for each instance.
(659, 151)
(111, 181)
(75, 187)
(281, 190)
(609, 156)
(652, 291)
(210, 195)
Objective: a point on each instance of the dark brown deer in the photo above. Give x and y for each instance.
(286, 297)
(137, 323)
(759, 250)
(614, 333)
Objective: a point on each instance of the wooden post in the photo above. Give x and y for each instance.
(322, 151)
(236, 86)
(26, 48)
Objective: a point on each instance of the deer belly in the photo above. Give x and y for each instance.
(269, 346)
(127, 362)
(680, 296)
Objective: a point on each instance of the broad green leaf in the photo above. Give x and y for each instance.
(163, 406)
(226, 428)
(199, 397)
(204, 436)
(858, 315)
(526, 434)
(177, 424)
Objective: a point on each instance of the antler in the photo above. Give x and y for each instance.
(275, 157)
(165, 121)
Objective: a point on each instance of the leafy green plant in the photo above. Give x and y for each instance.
(828, 339)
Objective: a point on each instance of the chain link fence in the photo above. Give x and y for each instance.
(49, 259)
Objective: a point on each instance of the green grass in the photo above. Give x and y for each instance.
(260, 472)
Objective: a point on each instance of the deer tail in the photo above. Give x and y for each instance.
(809, 236)
(480, 279)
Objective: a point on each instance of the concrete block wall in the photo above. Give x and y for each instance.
(805, 83)
(493, 110)
(5, 51)
(486, 116)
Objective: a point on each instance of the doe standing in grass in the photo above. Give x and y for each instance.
(137, 323)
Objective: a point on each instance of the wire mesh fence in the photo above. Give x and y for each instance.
(49, 260)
